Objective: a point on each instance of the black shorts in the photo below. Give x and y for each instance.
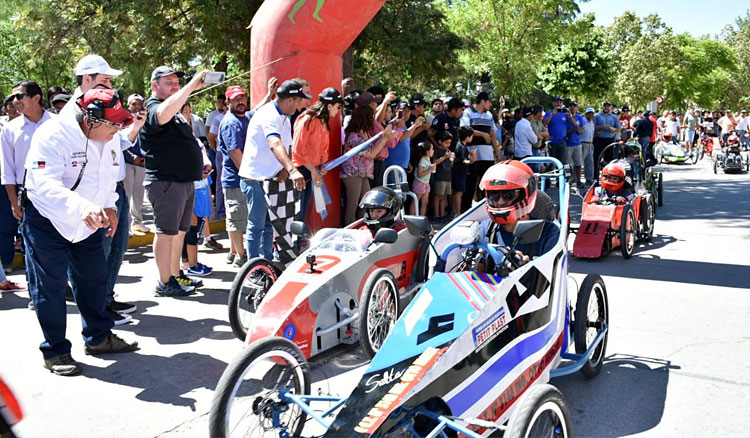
(173, 205)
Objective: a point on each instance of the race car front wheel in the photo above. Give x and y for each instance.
(648, 218)
(542, 412)
(378, 310)
(248, 400)
(248, 289)
(591, 314)
(627, 232)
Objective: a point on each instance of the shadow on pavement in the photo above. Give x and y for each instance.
(148, 372)
(142, 254)
(170, 330)
(14, 300)
(726, 200)
(626, 398)
(336, 361)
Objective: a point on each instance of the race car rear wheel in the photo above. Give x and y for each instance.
(248, 289)
(423, 262)
(648, 218)
(660, 190)
(247, 400)
(542, 412)
(628, 232)
(378, 310)
(591, 314)
(701, 153)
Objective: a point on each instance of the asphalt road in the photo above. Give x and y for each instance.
(678, 357)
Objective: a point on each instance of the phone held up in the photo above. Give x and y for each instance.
(214, 77)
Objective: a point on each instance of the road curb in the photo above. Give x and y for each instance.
(143, 239)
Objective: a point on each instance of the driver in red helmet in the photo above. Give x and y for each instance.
(613, 185)
(511, 192)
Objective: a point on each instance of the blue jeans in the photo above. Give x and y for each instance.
(587, 151)
(220, 209)
(743, 141)
(48, 255)
(259, 233)
(8, 230)
(306, 193)
(115, 246)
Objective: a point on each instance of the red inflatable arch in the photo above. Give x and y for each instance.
(307, 38)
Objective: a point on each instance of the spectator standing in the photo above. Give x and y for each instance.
(625, 124)
(173, 162)
(644, 129)
(524, 135)
(539, 148)
(58, 102)
(231, 143)
(673, 126)
(9, 109)
(436, 108)
(268, 176)
(357, 171)
(742, 128)
(573, 152)
(311, 142)
(219, 109)
(441, 180)
(424, 170)
(557, 123)
(135, 172)
(68, 213)
(689, 124)
(606, 126)
(587, 146)
(463, 159)
(418, 106)
(727, 124)
(484, 143)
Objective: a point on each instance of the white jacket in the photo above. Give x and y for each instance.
(58, 150)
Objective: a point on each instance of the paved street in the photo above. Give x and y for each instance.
(678, 353)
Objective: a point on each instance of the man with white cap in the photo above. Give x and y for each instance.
(91, 71)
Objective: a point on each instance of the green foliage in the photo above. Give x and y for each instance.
(736, 93)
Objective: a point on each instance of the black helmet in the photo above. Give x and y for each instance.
(380, 197)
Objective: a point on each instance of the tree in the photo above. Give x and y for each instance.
(579, 67)
(736, 92)
(508, 38)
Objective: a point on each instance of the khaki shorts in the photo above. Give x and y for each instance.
(236, 206)
(442, 187)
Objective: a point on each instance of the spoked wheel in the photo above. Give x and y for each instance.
(648, 217)
(701, 153)
(248, 289)
(248, 400)
(378, 310)
(627, 232)
(660, 190)
(542, 413)
(694, 154)
(716, 164)
(592, 313)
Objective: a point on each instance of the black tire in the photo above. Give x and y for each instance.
(648, 218)
(245, 294)
(423, 262)
(283, 367)
(542, 411)
(660, 190)
(588, 320)
(716, 164)
(694, 154)
(701, 153)
(378, 310)
(628, 232)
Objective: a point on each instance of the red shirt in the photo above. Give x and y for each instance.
(653, 134)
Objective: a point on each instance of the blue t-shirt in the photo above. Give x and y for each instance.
(558, 127)
(574, 138)
(232, 133)
(399, 155)
(602, 119)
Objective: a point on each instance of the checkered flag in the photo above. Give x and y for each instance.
(283, 204)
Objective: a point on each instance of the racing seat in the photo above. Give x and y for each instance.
(544, 209)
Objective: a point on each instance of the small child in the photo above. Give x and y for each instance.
(425, 168)
(461, 167)
(443, 160)
(613, 185)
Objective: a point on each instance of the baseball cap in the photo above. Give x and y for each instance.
(418, 99)
(111, 100)
(60, 98)
(625, 108)
(95, 64)
(556, 98)
(606, 102)
(573, 103)
(161, 71)
(590, 110)
(234, 91)
(291, 89)
(527, 111)
(330, 95)
(743, 112)
(134, 96)
(365, 98)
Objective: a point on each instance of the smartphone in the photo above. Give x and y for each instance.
(214, 77)
(400, 114)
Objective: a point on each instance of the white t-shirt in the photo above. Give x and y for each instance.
(16, 141)
(210, 117)
(742, 124)
(258, 162)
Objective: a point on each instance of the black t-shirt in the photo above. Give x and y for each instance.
(171, 151)
(443, 172)
(643, 128)
(444, 122)
(419, 138)
(462, 153)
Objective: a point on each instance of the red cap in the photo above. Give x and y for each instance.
(110, 100)
(234, 91)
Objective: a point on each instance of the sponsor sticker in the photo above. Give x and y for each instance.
(489, 328)
(38, 165)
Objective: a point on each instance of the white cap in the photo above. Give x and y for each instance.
(133, 97)
(590, 110)
(95, 64)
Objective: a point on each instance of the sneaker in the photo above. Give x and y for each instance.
(111, 344)
(230, 258)
(8, 270)
(186, 281)
(9, 286)
(172, 289)
(62, 365)
(240, 261)
(199, 270)
(121, 307)
(212, 244)
(118, 318)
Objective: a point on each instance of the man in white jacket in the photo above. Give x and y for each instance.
(72, 170)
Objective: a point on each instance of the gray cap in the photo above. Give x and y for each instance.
(161, 71)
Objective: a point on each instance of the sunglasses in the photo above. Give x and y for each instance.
(20, 96)
(507, 195)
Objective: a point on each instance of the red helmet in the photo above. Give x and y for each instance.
(513, 181)
(613, 177)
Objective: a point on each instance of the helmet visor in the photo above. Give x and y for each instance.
(502, 198)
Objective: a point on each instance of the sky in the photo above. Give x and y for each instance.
(690, 16)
